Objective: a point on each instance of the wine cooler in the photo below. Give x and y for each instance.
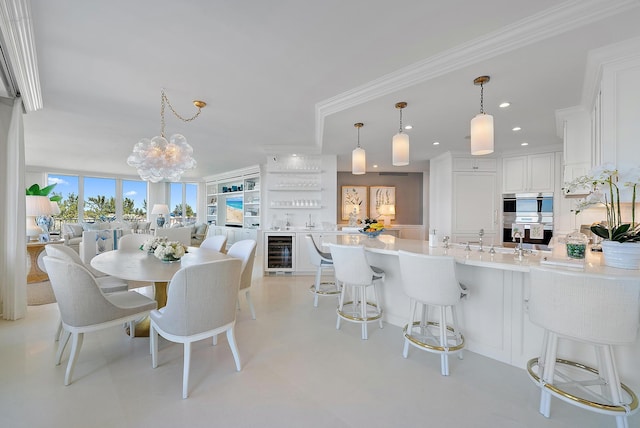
(280, 250)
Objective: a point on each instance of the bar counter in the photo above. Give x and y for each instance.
(494, 316)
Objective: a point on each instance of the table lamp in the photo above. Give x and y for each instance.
(36, 206)
(160, 210)
(386, 211)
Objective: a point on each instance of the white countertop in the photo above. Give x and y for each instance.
(504, 258)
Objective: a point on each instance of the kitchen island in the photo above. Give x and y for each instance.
(494, 315)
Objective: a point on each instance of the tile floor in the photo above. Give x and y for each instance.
(298, 371)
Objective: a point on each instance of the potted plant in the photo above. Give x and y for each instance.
(604, 185)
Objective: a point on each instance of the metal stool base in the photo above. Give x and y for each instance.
(631, 402)
(328, 288)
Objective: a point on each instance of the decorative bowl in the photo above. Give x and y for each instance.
(371, 234)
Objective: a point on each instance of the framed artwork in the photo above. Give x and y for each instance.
(354, 196)
(381, 195)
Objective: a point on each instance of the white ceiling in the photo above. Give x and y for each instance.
(294, 75)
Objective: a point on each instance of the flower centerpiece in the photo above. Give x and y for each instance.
(151, 244)
(603, 186)
(170, 251)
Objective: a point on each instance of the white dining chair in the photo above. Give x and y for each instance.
(107, 284)
(133, 241)
(215, 243)
(84, 308)
(245, 250)
(201, 303)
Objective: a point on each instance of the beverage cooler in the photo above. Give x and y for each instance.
(279, 252)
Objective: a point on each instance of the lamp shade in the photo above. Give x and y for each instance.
(358, 161)
(387, 210)
(37, 205)
(482, 134)
(160, 209)
(400, 149)
(55, 208)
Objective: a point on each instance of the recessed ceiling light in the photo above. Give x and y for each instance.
(375, 166)
(504, 104)
(294, 155)
(408, 127)
(524, 144)
(516, 128)
(436, 143)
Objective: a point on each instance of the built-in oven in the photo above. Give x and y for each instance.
(532, 214)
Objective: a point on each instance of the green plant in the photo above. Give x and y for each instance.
(603, 185)
(35, 190)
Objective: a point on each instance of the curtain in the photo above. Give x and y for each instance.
(13, 243)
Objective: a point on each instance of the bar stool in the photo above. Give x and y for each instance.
(321, 261)
(593, 309)
(431, 281)
(353, 271)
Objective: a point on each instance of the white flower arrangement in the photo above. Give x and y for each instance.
(169, 250)
(603, 185)
(151, 244)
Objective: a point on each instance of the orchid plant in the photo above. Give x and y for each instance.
(603, 185)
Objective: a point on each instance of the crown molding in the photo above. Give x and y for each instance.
(565, 17)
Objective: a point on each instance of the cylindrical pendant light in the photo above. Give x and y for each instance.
(358, 156)
(481, 125)
(400, 143)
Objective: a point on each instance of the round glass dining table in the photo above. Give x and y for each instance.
(137, 265)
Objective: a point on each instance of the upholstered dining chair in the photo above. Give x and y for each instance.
(133, 241)
(245, 250)
(84, 308)
(107, 284)
(216, 243)
(201, 303)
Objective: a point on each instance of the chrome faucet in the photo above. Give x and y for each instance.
(519, 251)
(481, 234)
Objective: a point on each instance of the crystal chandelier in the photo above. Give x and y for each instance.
(160, 159)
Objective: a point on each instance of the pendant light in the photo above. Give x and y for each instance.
(358, 156)
(481, 125)
(400, 144)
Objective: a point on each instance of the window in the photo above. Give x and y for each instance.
(99, 199)
(67, 188)
(134, 200)
(183, 200)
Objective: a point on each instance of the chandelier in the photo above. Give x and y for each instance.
(160, 159)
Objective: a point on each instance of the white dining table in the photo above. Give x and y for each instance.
(137, 265)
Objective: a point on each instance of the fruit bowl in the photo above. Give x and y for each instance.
(371, 233)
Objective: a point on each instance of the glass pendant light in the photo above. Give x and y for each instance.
(400, 144)
(358, 156)
(481, 125)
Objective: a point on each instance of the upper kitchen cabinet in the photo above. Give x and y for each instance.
(469, 163)
(573, 126)
(529, 173)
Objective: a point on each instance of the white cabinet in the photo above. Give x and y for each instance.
(475, 206)
(234, 199)
(475, 164)
(575, 126)
(530, 173)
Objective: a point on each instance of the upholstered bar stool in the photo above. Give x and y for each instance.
(354, 272)
(321, 261)
(598, 310)
(431, 281)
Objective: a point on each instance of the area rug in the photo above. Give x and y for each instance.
(40, 293)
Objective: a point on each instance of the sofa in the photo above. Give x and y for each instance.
(89, 239)
(180, 234)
